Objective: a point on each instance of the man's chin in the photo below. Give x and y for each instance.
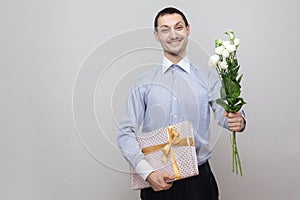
(174, 53)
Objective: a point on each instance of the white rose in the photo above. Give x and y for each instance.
(236, 41)
(226, 43)
(224, 65)
(213, 60)
(231, 48)
(219, 50)
(225, 53)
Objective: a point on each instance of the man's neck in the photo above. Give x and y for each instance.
(174, 58)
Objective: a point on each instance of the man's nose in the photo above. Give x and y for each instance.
(173, 33)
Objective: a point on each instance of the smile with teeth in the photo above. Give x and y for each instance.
(174, 42)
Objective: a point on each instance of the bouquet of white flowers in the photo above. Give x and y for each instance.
(226, 63)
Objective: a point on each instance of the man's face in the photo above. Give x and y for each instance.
(172, 34)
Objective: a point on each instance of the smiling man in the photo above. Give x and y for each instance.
(173, 92)
(172, 32)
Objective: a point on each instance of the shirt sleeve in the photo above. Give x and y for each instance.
(127, 130)
(143, 168)
(214, 85)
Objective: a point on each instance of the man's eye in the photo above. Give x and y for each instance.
(164, 30)
(179, 28)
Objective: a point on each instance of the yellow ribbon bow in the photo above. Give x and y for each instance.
(167, 149)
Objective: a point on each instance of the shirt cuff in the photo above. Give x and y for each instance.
(244, 118)
(143, 168)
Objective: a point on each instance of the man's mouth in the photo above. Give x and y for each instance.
(174, 42)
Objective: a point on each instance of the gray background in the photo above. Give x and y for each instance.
(57, 57)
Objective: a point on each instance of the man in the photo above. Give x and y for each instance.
(171, 93)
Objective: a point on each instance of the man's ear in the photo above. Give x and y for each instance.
(188, 28)
(156, 35)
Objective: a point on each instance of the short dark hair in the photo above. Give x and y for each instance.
(169, 10)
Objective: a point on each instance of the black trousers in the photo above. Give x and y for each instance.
(200, 187)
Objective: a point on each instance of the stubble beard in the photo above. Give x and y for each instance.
(179, 52)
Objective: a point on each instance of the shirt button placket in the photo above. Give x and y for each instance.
(174, 100)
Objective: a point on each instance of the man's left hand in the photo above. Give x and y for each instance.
(235, 121)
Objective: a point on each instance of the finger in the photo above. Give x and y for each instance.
(170, 177)
(235, 123)
(234, 120)
(235, 126)
(233, 115)
(236, 129)
(163, 186)
(167, 176)
(167, 186)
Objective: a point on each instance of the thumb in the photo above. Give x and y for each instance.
(226, 114)
(168, 176)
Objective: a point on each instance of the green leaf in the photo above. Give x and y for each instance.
(231, 101)
(239, 79)
(232, 88)
(223, 104)
(235, 101)
(238, 106)
(234, 72)
(230, 64)
(235, 61)
(232, 69)
(223, 93)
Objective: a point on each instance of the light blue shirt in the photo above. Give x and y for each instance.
(167, 95)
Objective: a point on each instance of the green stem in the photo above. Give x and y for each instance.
(236, 162)
(232, 146)
(234, 151)
(239, 161)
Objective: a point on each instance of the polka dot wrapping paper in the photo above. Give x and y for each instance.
(184, 153)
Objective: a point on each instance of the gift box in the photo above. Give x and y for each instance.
(170, 149)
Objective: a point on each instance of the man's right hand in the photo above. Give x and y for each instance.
(157, 181)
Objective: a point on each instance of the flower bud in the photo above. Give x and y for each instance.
(216, 42)
(220, 41)
(236, 42)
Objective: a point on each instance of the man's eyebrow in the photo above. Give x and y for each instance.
(166, 26)
(179, 23)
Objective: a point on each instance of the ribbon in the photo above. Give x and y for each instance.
(167, 149)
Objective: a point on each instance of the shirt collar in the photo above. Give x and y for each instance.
(183, 64)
